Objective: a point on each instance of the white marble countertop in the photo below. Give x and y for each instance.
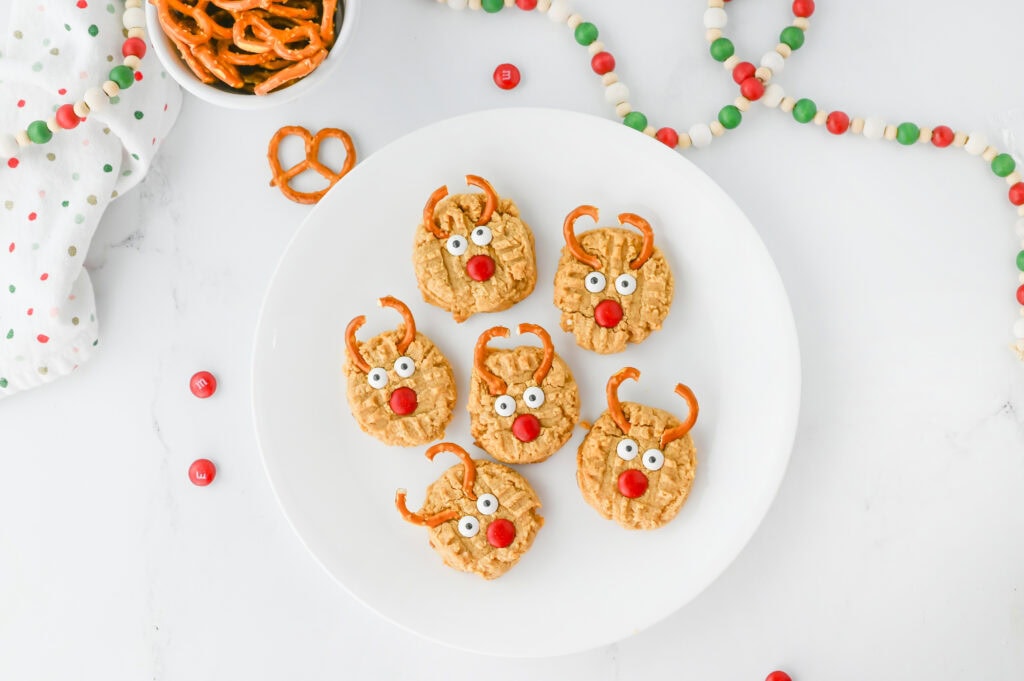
(894, 547)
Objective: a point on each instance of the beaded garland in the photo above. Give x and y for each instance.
(755, 85)
(68, 116)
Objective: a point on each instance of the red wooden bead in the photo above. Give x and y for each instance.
(135, 47)
(837, 122)
(1017, 194)
(667, 136)
(526, 5)
(942, 136)
(743, 71)
(1020, 295)
(778, 676)
(506, 76)
(202, 384)
(803, 8)
(66, 117)
(602, 63)
(752, 89)
(202, 472)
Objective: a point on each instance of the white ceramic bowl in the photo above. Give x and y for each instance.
(168, 55)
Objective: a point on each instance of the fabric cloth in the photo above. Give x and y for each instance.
(53, 196)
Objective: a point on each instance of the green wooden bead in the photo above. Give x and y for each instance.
(123, 76)
(804, 110)
(585, 33)
(636, 120)
(1020, 261)
(492, 6)
(1003, 165)
(38, 132)
(730, 117)
(792, 36)
(722, 49)
(907, 133)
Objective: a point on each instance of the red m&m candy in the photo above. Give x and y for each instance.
(202, 472)
(202, 384)
(506, 76)
(778, 676)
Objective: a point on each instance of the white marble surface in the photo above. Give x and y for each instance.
(894, 547)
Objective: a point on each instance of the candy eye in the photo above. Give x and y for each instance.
(625, 284)
(487, 504)
(504, 405)
(405, 367)
(533, 397)
(481, 236)
(468, 526)
(377, 378)
(595, 282)
(456, 245)
(653, 460)
(627, 449)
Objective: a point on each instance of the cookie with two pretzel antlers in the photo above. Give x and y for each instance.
(401, 388)
(636, 465)
(613, 286)
(472, 252)
(523, 402)
(481, 516)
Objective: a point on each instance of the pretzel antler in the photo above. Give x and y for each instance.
(469, 474)
(492, 198)
(647, 250)
(612, 391)
(428, 212)
(691, 418)
(495, 385)
(352, 346)
(410, 323)
(416, 518)
(549, 350)
(569, 233)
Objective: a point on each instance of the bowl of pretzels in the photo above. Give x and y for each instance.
(250, 54)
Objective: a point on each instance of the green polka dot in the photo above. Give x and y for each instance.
(75, 176)
(46, 42)
(37, 67)
(92, 317)
(35, 247)
(79, 219)
(94, 30)
(95, 342)
(107, 167)
(110, 8)
(114, 100)
(91, 199)
(12, 288)
(139, 115)
(72, 251)
(126, 173)
(10, 334)
(67, 27)
(3, 382)
(19, 35)
(64, 203)
(135, 156)
(51, 156)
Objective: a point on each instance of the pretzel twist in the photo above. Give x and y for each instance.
(612, 393)
(495, 384)
(282, 178)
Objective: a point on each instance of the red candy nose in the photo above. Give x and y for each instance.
(526, 427)
(403, 401)
(501, 533)
(480, 267)
(608, 313)
(632, 483)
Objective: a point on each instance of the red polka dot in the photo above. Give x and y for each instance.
(10, 249)
(165, 107)
(82, 4)
(12, 163)
(32, 216)
(43, 338)
(138, 75)
(62, 91)
(21, 103)
(44, 276)
(30, 311)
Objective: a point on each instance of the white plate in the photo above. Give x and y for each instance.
(586, 582)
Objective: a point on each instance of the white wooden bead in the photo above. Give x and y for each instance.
(134, 17)
(925, 136)
(731, 62)
(717, 129)
(685, 143)
(742, 103)
(96, 99)
(700, 135)
(715, 18)
(137, 33)
(1018, 328)
(9, 147)
(52, 124)
(543, 5)
(616, 93)
(774, 61)
(559, 11)
(1013, 178)
(111, 88)
(650, 131)
(595, 47)
(712, 34)
(989, 154)
(81, 109)
(623, 109)
(133, 3)
(763, 74)
(784, 50)
(874, 128)
(510, 3)
(716, 3)
(857, 126)
(959, 138)
(1019, 228)
(23, 140)
(574, 21)
(458, 4)
(787, 104)
(475, 4)
(609, 78)
(773, 95)
(820, 117)
(976, 143)
(132, 62)
(890, 132)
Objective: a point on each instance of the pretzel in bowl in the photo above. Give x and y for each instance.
(254, 46)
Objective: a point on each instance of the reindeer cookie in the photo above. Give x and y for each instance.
(523, 402)
(400, 387)
(472, 253)
(612, 285)
(636, 464)
(481, 516)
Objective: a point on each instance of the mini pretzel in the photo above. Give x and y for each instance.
(495, 384)
(612, 392)
(475, 180)
(647, 250)
(416, 518)
(549, 350)
(352, 346)
(691, 418)
(569, 234)
(282, 178)
(469, 468)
